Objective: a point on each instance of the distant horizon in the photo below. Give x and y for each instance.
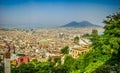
(49, 13)
(41, 25)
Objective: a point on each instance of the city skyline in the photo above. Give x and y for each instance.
(55, 12)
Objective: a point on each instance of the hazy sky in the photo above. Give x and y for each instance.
(55, 12)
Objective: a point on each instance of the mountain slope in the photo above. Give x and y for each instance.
(80, 24)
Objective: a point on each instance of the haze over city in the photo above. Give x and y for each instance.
(55, 12)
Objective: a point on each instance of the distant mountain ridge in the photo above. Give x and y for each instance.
(71, 24)
(80, 24)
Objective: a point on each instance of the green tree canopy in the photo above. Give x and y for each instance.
(94, 32)
(112, 29)
(112, 26)
(65, 50)
(76, 39)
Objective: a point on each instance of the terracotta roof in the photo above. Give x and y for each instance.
(80, 49)
(56, 56)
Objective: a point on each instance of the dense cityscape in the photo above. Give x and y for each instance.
(42, 44)
(59, 36)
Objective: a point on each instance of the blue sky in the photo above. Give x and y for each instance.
(55, 12)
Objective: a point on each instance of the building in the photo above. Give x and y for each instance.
(24, 59)
(76, 52)
(44, 43)
(84, 42)
(13, 62)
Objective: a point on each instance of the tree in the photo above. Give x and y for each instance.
(94, 32)
(87, 35)
(65, 50)
(69, 62)
(76, 39)
(112, 26)
(57, 60)
(109, 42)
(26, 68)
(61, 69)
